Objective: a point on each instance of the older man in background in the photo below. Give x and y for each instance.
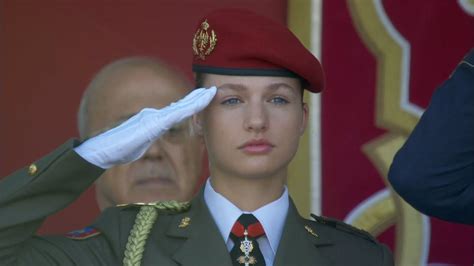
(171, 167)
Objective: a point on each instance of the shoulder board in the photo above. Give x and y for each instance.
(343, 227)
(84, 233)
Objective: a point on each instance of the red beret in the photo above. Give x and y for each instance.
(240, 42)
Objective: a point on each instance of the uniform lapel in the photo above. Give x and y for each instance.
(203, 244)
(297, 245)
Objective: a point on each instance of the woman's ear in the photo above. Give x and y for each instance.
(304, 122)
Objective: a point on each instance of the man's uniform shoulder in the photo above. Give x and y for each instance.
(121, 219)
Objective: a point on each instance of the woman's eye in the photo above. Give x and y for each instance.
(279, 100)
(231, 101)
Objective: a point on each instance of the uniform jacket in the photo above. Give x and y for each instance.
(434, 170)
(28, 196)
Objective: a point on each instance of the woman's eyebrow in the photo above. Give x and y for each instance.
(277, 86)
(232, 86)
(240, 87)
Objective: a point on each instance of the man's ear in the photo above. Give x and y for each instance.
(304, 122)
(197, 124)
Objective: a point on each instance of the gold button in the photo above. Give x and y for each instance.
(32, 169)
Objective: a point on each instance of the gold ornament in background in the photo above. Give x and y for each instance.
(392, 55)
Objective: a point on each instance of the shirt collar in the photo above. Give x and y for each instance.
(272, 216)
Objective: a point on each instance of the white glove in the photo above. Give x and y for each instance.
(130, 140)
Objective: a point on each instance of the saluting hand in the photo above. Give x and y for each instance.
(130, 140)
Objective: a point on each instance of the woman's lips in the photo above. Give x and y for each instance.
(257, 147)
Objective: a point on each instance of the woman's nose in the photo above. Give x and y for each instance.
(256, 118)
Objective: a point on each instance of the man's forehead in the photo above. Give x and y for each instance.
(135, 96)
(112, 104)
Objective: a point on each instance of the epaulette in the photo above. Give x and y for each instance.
(84, 233)
(343, 227)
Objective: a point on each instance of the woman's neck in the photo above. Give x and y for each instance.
(249, 194)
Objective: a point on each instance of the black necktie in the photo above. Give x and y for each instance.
(245, 232)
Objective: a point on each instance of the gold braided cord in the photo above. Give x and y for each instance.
(137, 238)
(144, 221)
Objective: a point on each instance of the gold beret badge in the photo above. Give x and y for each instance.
(204, 41)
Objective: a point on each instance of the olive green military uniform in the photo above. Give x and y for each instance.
(191, 237)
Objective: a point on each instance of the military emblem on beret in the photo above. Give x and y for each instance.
(204, 41)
